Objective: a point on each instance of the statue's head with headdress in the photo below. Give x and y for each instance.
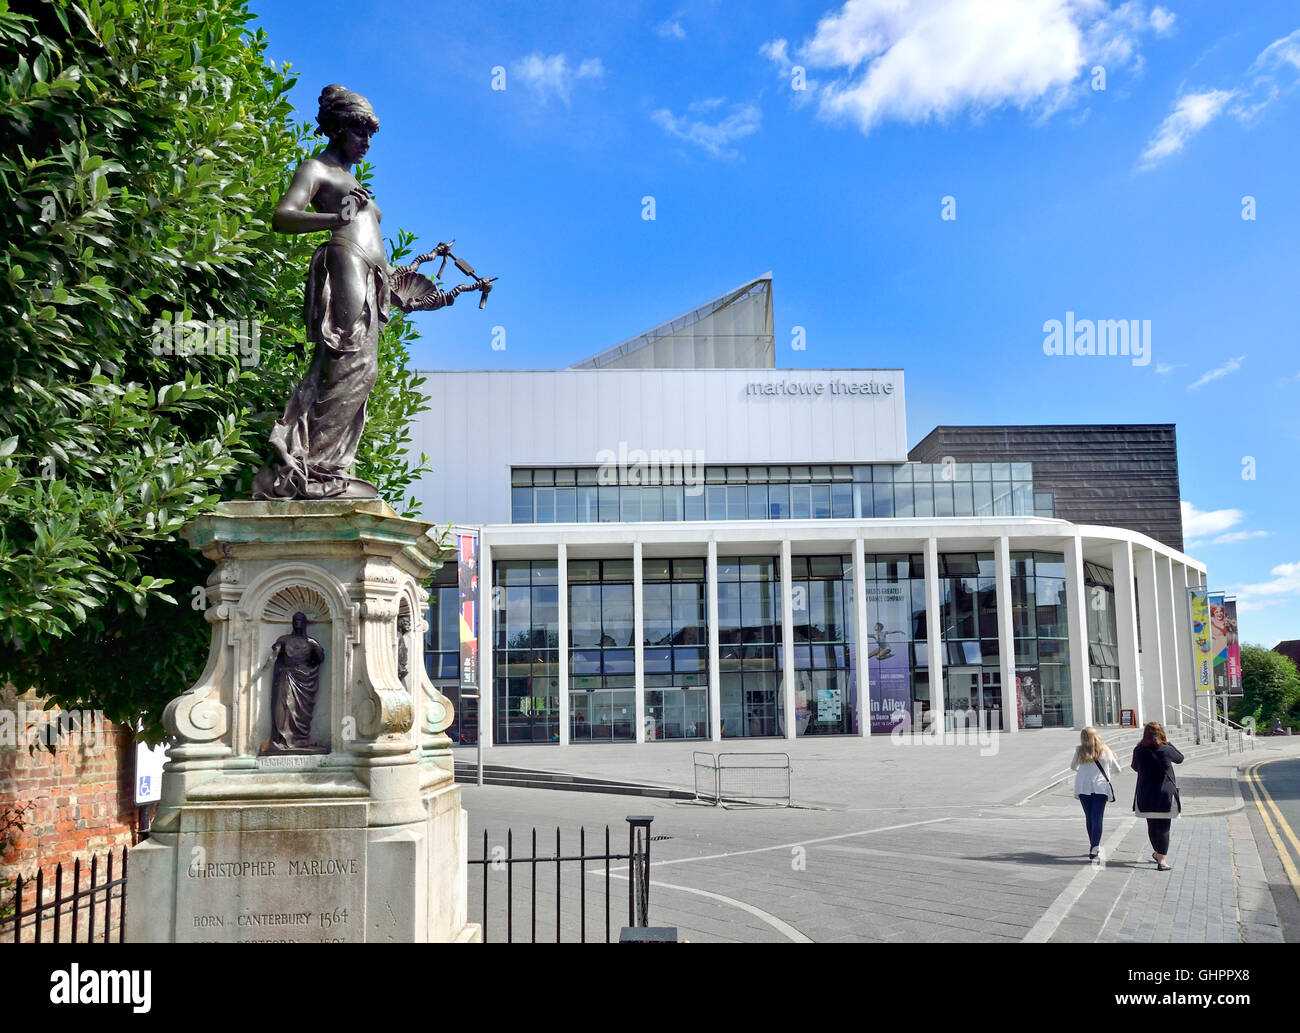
(347, 119)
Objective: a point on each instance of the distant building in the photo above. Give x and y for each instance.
(1289, 648)
(680, 541)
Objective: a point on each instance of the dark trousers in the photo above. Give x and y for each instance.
(1094, 807)
(1158, 833)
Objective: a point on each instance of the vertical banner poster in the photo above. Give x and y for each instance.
(1202, 657)
(888, 664)
(467, 579)
(1029, 697)
(1219, 642)
(1234, 646)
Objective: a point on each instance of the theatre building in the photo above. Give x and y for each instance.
(677, 540)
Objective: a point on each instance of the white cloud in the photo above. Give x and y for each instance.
(1162, 21)
(1192, 113)
(671, 29)
(1238, 536)
(933, 59)
(1271, 74)
(716, 136)
(1163, 368)
(1231, 366)
(1199, 524)
(1285, 583)
(554, 75)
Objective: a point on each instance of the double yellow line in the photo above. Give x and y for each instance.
(1261, 798)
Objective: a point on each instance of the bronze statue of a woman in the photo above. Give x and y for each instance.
(349, 290)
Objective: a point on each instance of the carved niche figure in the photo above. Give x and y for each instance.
(294, 684)
(403, 661)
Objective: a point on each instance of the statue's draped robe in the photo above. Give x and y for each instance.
(293, 691)
(323, 420)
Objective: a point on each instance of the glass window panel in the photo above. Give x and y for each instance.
(841, 500)
(609, 503)
(717, 501)
(801, 501)
(924, 500)
(757, 502)
(652, 503)
(630, 500)
(904, 474)
(1001, 471)
(545, 499)
(695, 509)
(674, 502)
(521, 505)
(943, 496)
(778, 501)
(736, 506)
(904, 500)
(882, 500)
(566, 505)
(1022, 471)
(821, 501)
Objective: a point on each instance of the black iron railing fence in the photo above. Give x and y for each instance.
(75, 913)
(589, 872)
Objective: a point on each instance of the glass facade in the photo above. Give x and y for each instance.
(749, 633)
(675, 631)
(968, 600)
(1041, 631)
(602, 686)
(1103, 643)
(547, 495)
(525, 655)
(821, 592)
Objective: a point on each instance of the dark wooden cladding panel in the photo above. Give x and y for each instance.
(1124, 475)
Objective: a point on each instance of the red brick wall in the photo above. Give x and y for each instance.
(81, 798)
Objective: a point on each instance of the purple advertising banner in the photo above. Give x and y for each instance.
(1234, 646)
(888, 667)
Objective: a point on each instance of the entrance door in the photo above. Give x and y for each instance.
(977, 691)
(1105, 701)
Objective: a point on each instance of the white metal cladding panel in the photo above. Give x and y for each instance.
(481, 423)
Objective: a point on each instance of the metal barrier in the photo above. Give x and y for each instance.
(742, 777)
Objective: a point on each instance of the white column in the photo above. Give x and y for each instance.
(1155, 631)
(933, 636)
(638, 639)
(1006, 638)
(562, 569)
(486, 635)
(787, 638)
(1181, 578)
(860, 625)
(1173, 638)
(1077, 622)
(1121, 564)
(715, 664)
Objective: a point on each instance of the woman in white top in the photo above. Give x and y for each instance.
(1093, 763)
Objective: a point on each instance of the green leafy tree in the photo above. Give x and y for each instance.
(1270, 687)
(146, 144)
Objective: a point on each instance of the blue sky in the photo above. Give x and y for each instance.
(1122, 202)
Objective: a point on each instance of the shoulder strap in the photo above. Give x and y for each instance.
(1107, 778)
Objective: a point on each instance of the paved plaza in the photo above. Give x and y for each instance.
(886, 842)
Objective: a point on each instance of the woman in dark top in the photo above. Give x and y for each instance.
(1156, 796)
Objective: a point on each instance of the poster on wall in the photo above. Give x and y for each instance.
(1202, 658)
(467, 571)
(1219, 641)
(1234, 647)
(888, 665)
(1029, 697)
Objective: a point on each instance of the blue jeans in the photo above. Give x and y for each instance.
(1094, 807)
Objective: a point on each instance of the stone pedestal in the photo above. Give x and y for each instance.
(364, 840)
